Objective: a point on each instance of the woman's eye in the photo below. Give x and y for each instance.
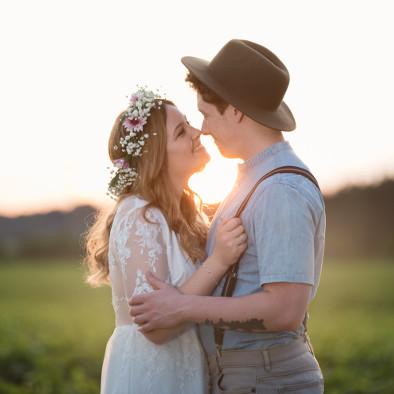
(181, 132)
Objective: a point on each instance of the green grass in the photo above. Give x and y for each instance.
(53, 328)
(352, 327)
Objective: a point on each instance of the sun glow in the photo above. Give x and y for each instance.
(218, 177)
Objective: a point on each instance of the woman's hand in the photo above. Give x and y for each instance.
(230, 242)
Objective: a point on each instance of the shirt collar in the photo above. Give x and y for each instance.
(263, 156)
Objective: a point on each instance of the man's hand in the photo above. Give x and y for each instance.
(161, 308)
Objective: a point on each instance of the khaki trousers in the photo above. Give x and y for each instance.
(290, 368)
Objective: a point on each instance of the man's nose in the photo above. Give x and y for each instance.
(204, 129)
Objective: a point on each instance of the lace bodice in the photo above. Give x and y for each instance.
(132, 364)
(138, 244)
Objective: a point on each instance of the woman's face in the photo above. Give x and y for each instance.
(185, 154)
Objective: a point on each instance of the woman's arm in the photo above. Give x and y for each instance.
(230, 244)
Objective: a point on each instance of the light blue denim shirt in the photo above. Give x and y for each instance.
(285, 222)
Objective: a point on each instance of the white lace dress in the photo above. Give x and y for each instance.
(133, 364)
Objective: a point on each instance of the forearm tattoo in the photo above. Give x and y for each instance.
(252, 325)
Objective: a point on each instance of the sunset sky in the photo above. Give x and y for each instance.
(68, 65)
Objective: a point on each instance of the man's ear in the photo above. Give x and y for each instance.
(237, 114)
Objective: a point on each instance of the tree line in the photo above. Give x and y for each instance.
(359, 225)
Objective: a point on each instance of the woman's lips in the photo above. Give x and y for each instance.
(197, 146)
(200, 147)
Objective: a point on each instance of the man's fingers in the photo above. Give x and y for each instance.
(137, 299)
(141, 320)
(136, 310)
(154, 281)
(145, 328)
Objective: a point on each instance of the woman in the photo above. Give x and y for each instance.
(156, 226)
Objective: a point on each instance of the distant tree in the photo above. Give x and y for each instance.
(359, 225)
(55, 234)
(360, 222)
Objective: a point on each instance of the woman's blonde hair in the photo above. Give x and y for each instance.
(186, 218)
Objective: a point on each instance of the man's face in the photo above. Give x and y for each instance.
(217, 125)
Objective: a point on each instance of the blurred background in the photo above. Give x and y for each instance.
(65, 71)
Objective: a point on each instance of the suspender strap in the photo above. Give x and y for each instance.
(232, 273)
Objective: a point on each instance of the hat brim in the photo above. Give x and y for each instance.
(281, 118)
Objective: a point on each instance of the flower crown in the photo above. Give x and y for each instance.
(132, 144)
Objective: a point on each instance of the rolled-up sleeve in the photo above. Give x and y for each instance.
(284, 231)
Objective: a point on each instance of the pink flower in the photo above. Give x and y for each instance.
(133, 99)
(134, 124)
(121, 163)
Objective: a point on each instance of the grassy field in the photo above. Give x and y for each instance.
(53, 328)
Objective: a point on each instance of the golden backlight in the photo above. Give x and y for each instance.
(218, 177)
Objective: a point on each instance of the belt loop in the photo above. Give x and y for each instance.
(218, 356)
(218, 351)
(308, 343)
(267, 361)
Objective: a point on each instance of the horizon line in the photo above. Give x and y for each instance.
(102, 204)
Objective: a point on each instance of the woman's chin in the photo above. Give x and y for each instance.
(199, 168)
(200, 164)
(204, 162)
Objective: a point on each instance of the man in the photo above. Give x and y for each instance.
(265, 346)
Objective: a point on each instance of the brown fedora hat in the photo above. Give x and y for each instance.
(251, 78)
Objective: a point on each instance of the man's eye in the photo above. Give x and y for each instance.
(181, 132)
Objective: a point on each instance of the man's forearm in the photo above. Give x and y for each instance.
(259, 312)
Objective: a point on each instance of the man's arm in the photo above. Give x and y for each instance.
(256, 312)
(277, 307)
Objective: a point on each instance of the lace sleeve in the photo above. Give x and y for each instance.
(140, 247)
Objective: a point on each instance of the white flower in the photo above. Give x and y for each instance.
(137, 113)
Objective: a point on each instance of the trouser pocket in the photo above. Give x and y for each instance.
(312, 387)
(300, 375)
(236, 380)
